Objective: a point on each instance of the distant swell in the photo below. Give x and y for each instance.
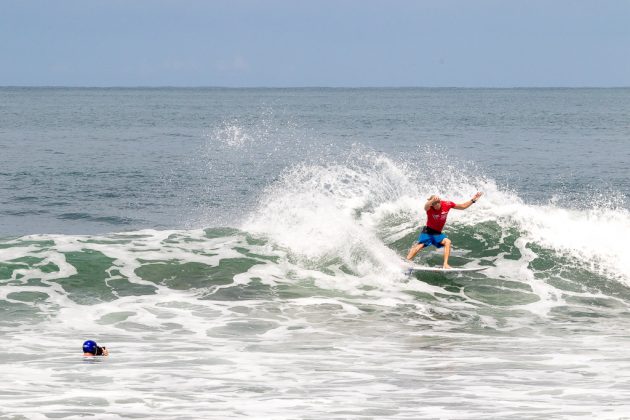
(111, 220)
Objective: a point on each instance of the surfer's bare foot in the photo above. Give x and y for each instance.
(446, 266)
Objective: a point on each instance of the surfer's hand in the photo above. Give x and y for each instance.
(476, 196)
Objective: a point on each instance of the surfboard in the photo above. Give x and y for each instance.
(414, 268)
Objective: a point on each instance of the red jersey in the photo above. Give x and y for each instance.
(436, 219)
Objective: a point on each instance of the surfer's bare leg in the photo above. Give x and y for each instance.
(414, 250)
(447, 251)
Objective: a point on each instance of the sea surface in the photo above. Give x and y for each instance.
(239, 252)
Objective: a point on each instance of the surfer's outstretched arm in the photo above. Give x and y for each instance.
(464, 206)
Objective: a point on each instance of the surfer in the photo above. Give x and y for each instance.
(90, 348)
(437, 211)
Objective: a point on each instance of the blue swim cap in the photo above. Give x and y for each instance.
(90, 347)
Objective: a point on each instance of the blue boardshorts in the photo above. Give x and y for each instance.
(429, 239)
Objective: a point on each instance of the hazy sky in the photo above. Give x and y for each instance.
(496, 43)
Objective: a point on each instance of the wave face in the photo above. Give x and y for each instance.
(344, 227)
(315, 272)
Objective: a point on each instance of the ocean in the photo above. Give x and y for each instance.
(239, 252)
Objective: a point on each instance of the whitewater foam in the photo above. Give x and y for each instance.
(348, 211)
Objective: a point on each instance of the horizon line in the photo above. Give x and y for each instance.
(300, 87)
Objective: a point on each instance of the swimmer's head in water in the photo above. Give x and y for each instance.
(90, 347)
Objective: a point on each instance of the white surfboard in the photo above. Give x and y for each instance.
(415, 268)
